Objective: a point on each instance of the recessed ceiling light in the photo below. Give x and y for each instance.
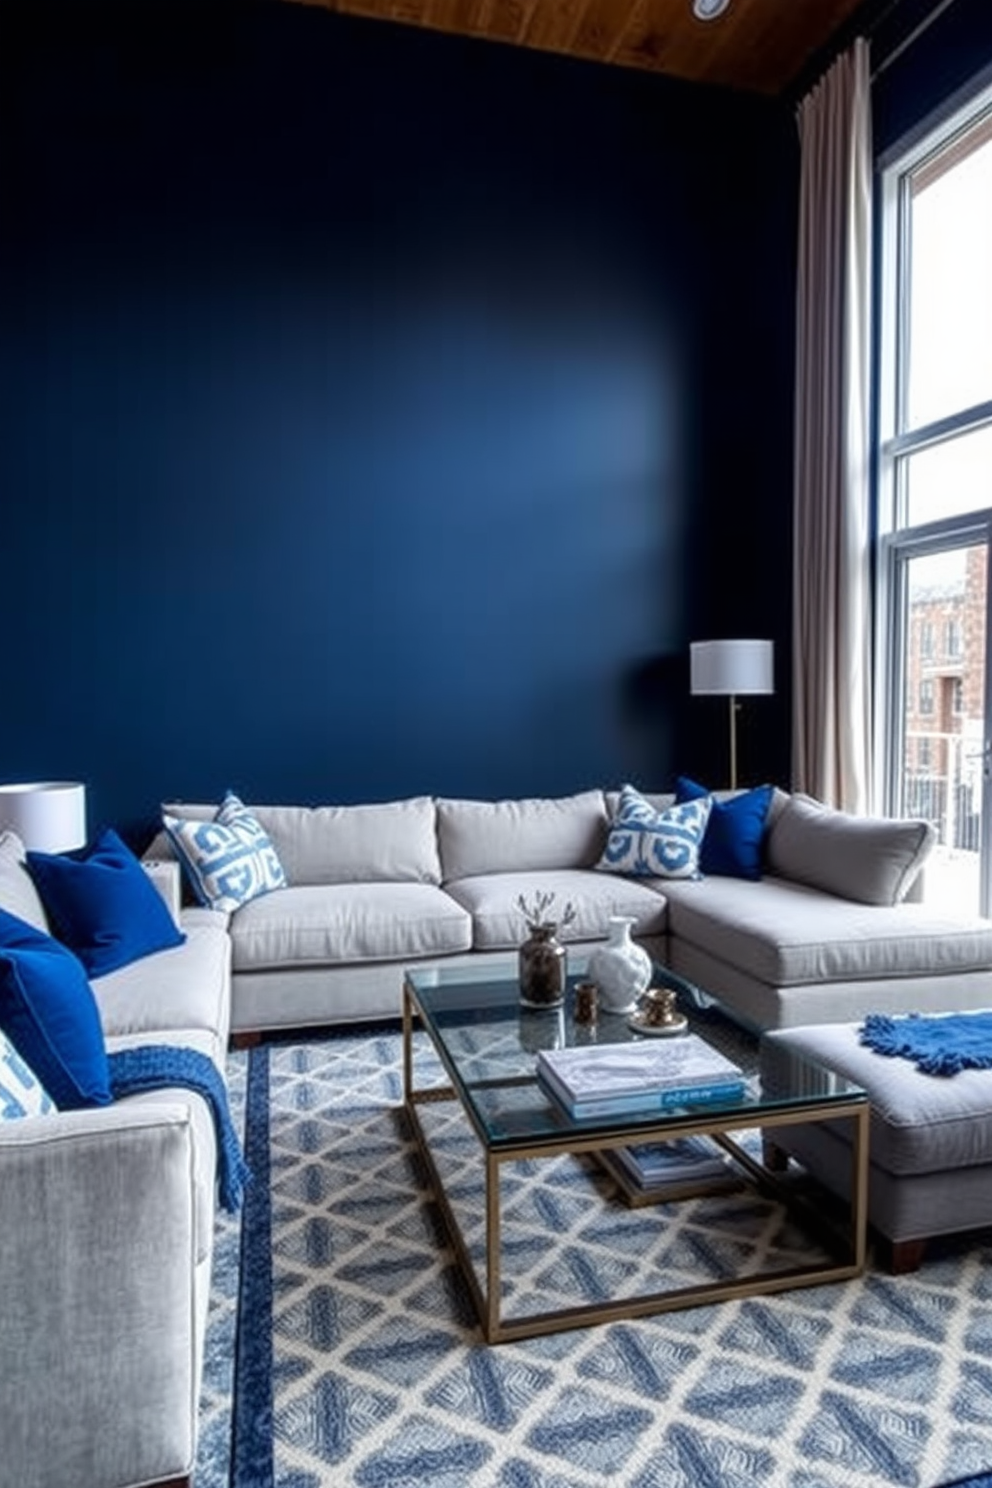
(708, 10)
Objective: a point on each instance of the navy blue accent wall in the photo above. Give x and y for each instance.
(382, 412)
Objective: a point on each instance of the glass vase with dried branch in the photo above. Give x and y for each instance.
(542, 959)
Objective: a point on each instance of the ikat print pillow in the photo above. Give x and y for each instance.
(230, 860)
(655, 844)
(21, 1092)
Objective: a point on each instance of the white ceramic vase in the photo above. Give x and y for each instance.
(621, 969)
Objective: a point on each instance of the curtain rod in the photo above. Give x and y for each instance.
(908, 40)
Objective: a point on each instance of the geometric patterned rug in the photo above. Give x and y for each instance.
(343, 1333)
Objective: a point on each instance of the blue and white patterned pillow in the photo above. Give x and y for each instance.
(231, 859)
(656, 844)
(21, 1092)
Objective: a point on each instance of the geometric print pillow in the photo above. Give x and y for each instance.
(656, 844)
(229, 860)
(21, 1092)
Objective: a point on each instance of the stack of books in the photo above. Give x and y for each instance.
(650, 1165)
(636, 1078)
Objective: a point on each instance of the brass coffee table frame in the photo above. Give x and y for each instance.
(487, 1300)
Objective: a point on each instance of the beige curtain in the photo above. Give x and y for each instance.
(831, 655)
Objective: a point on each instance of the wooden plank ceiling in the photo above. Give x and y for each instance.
(761, 45)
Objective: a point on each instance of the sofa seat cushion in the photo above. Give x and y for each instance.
(201, 1122)
(183, 988)
(919, 1123)
(498, 923)
(786, 934)
(327, 923)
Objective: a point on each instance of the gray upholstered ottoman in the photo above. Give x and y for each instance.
(931, 1139)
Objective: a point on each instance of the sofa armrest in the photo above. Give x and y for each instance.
(164, 874)
(98, 1341)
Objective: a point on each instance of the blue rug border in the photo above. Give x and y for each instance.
(252, 1445)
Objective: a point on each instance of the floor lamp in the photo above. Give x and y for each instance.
(47, 815)
(731, 669)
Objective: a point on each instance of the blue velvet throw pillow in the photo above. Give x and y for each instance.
(49, 1014)
(735, 832)
(101, 903)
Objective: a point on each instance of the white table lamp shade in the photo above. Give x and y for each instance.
(47, 815)
(731, 668)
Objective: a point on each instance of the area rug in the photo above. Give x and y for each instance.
(343, 1330)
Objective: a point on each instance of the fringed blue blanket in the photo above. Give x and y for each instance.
(940, 1045)
(159, 1066)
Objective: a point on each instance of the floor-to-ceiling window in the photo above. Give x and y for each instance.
(935, 496)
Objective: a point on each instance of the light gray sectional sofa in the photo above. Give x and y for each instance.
(108, 1237)
(828, 933)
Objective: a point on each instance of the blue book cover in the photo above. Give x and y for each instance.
(637, 1103)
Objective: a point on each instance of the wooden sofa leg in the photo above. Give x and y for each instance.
(245, 1039)
(900, 1257)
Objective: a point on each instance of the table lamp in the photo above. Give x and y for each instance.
(47, 815)
(731, 669)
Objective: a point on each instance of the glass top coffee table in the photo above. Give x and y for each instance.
(487, 1044)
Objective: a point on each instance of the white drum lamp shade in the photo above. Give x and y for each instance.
(47, 815)
(731, 669)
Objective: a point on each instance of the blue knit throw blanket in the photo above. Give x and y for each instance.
(159, 1066)
(937, 1045)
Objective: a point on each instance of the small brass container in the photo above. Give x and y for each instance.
(659, 1007)
(586, 1002)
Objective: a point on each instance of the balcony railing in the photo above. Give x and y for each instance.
(948, 794)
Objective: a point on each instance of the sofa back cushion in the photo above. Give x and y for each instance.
(18, 895)
(660, 800)
(872, 860)
(520, 836)
(388, 842)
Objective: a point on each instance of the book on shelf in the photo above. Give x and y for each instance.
(616, 1079)
(682, 1160)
